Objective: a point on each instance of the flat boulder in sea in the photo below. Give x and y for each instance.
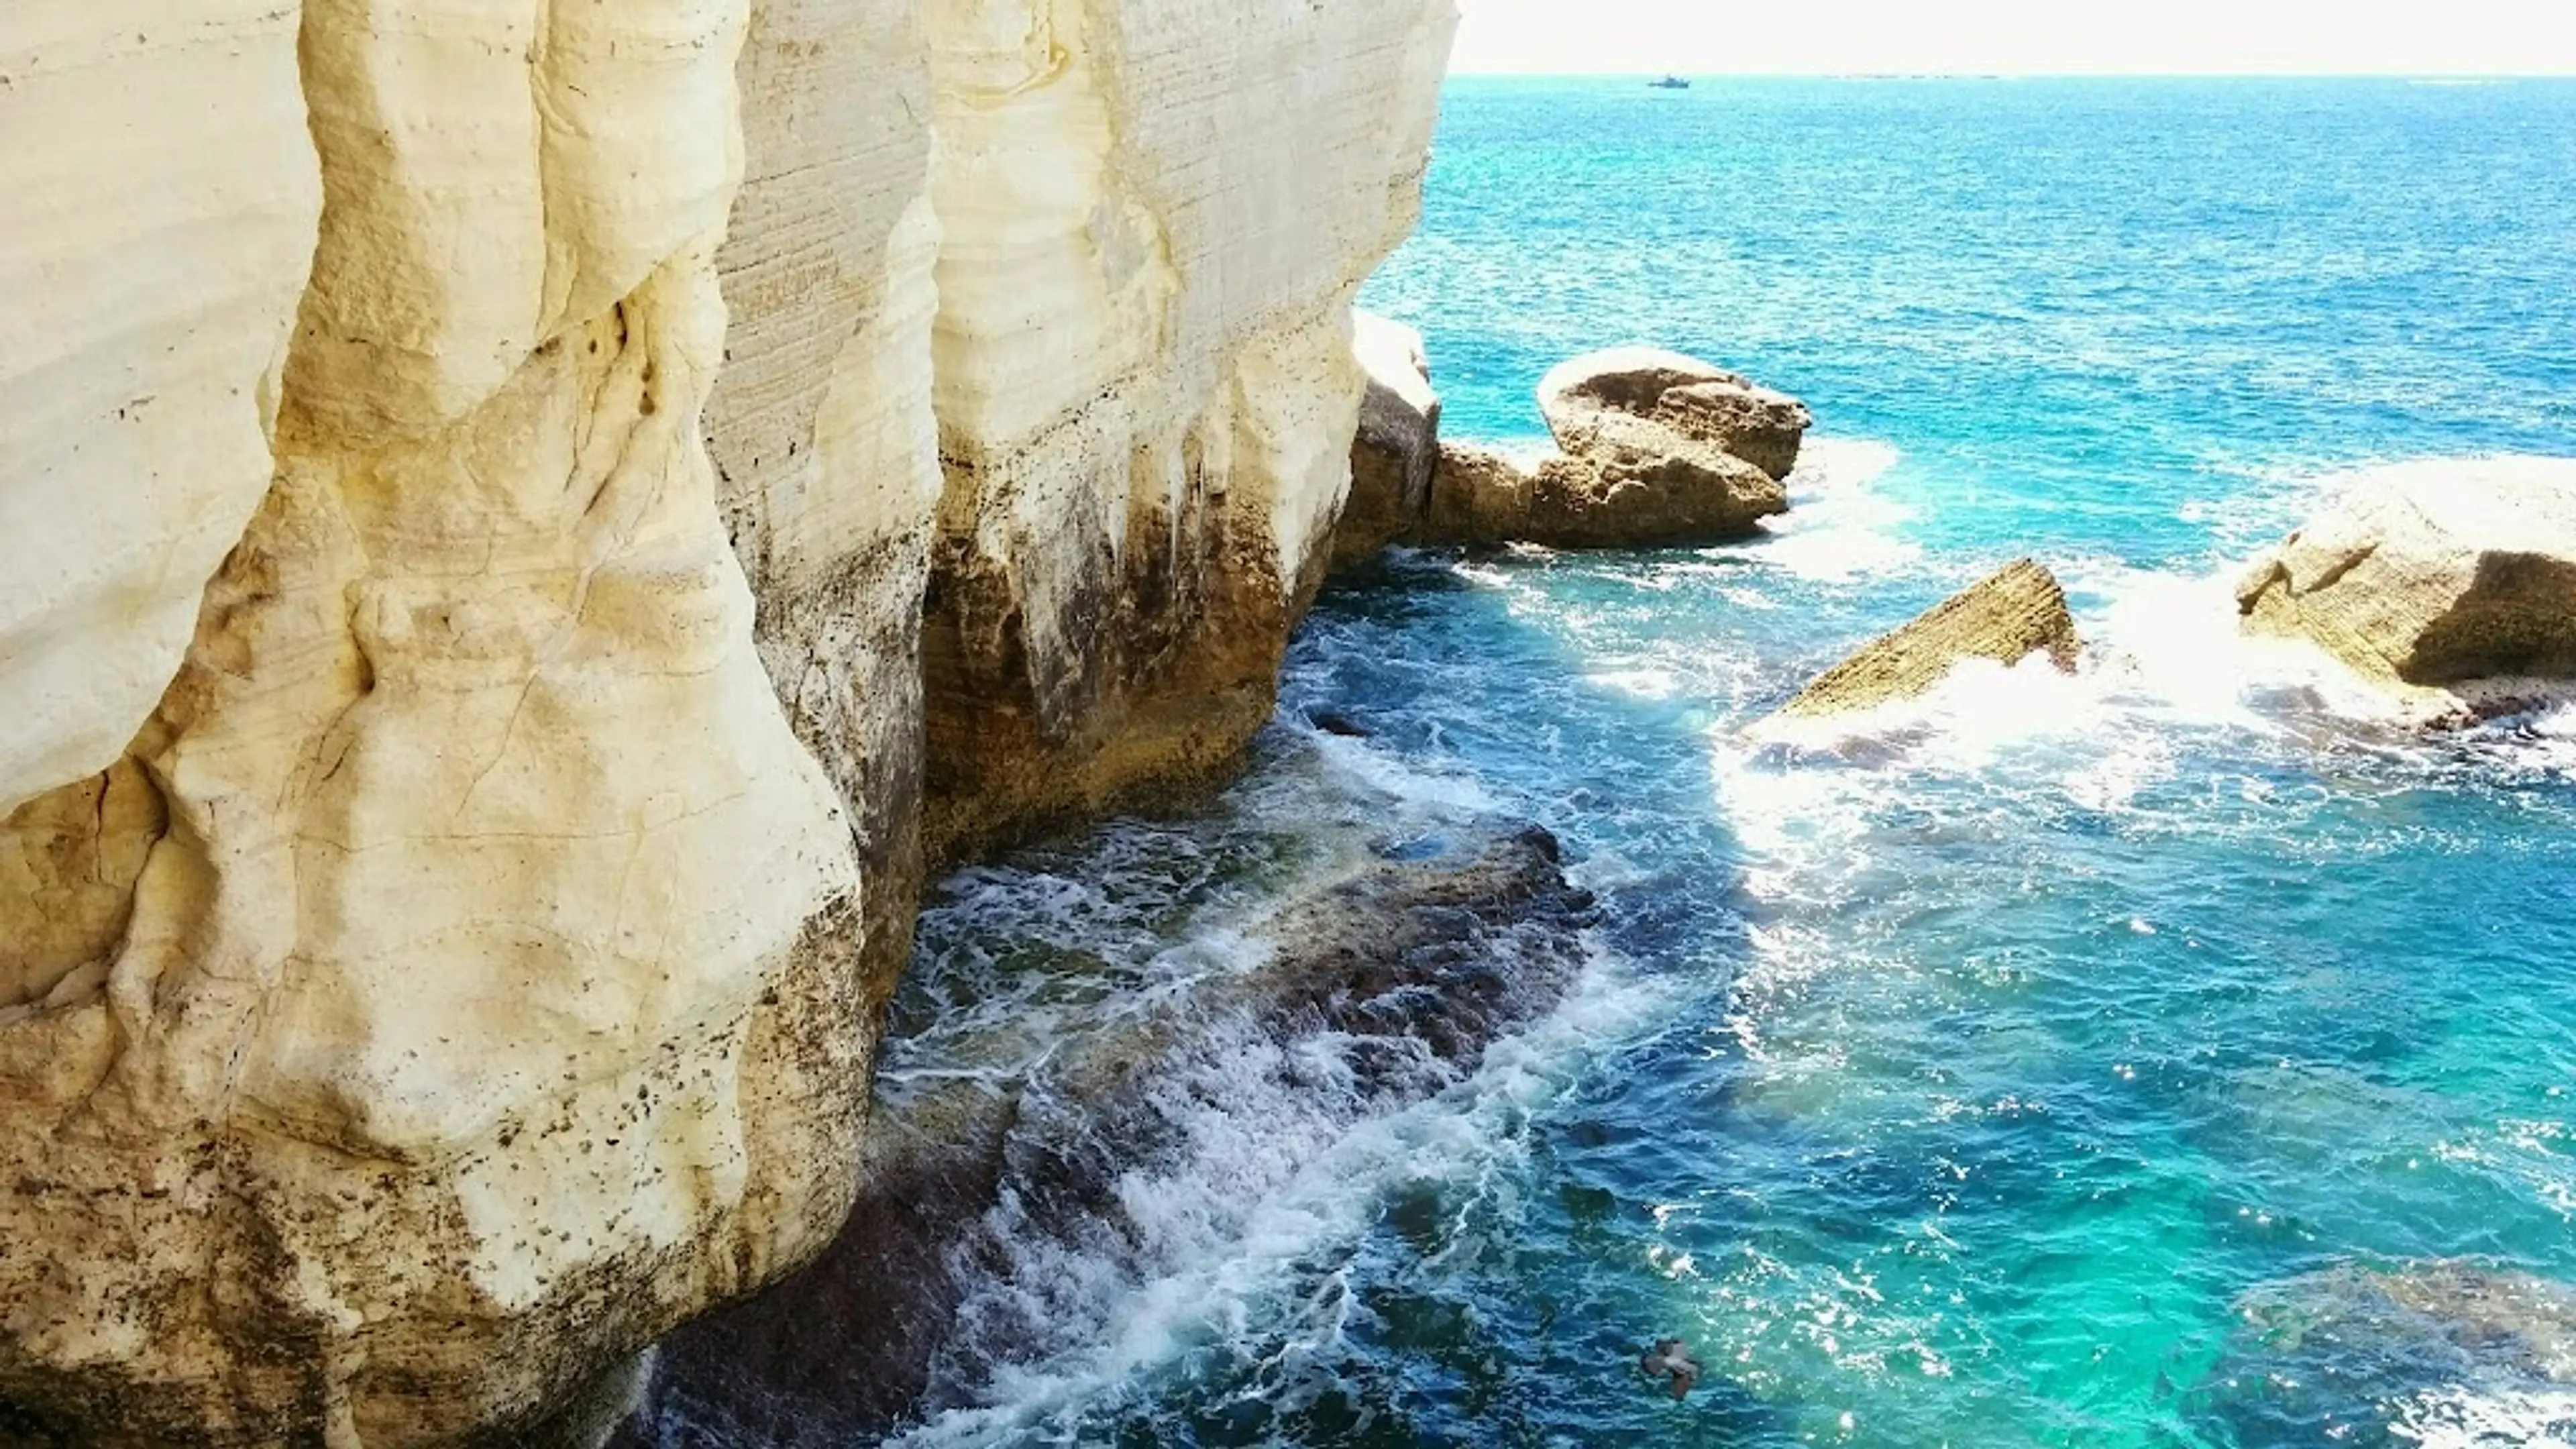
(2008, 617)
(982, 1190)
(2451, 583)
(1654, 447)
(1398, 446)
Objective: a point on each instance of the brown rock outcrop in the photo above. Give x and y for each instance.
(1647, 460)
(1638, 485)
(2450, 583)
(1764, 428)
(1584, 398)
(1480, 497)
(1397, 452)
(1656, 449)
(2007, 617)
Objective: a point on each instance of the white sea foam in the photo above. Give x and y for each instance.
(2169, 678)
(1270, 1182)
(1416, 793)
(1840, 526)
(2468, 1418)
(1279, 1153)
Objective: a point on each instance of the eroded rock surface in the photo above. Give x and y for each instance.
(2007, 617)
(151, 272)
(1481, 497)
(819, 423)
(2448, 581)
(1397, 452)
(1403, 976)
(1592, 400)
(461, 801)
(1633, 472)
(1763, 427)
(474, 1014)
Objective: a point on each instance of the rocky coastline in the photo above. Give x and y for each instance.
(501, 628)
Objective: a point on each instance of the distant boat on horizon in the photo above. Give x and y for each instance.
(1670, 83)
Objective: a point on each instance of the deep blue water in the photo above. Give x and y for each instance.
(2044, 1067)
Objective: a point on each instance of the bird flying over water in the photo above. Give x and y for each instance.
(1669, 1358)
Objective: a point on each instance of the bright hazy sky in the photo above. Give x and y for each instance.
(2176, 37)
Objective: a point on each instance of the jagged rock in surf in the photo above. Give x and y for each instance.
(2452, 584)
(1404, 974)
(2007, 617)
(1398, 446)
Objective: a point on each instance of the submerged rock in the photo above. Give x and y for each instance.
(2448, 582)
(1398, 446)
(983, 1193)
(2354, 1346)
(2009, 616)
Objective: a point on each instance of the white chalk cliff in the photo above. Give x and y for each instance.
(485, 485)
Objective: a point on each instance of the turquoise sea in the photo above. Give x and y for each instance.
(2176, 1055)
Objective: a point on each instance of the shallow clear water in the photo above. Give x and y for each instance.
(1971, 1079)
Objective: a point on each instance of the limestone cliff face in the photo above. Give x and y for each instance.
(1158, 212)
(464, 727)
(820, 424)
(148, 302)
